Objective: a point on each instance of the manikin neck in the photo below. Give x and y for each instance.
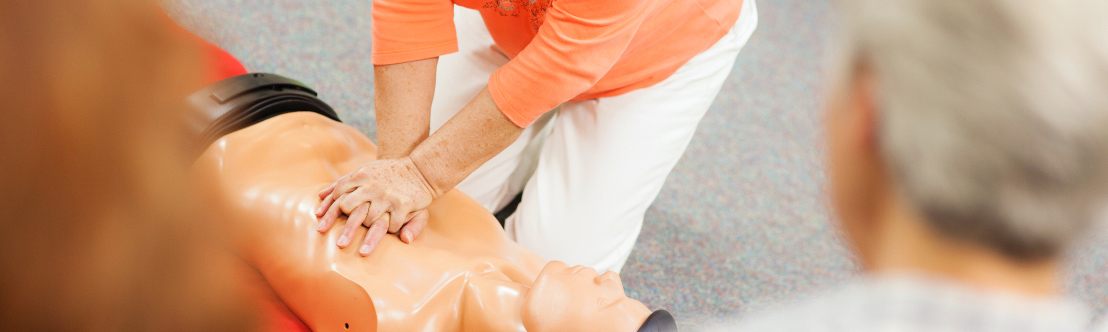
(492, 305)
(905, 243)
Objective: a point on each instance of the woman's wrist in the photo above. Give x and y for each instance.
(393, 151)
(382, 156)
(423, 178)
(395, 143)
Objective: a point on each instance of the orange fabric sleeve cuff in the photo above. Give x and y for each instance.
(504, 102)
(427, 52)
(576, 46)
(410, 30)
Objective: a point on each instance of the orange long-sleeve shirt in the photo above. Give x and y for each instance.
(560, 50)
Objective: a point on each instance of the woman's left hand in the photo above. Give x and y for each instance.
(386, 195)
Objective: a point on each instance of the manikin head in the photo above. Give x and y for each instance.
(576, 298)
(977, 125)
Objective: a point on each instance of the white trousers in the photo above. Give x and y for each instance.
(589, 169)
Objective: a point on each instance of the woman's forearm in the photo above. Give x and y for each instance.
(402, 99)
(473, 136)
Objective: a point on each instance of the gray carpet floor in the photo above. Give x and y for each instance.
(741, 224)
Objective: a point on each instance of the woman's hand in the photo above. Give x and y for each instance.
(388, 195)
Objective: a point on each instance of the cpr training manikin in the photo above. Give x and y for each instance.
(276, 146)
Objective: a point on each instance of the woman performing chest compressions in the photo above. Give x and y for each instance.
(579, 107)
(270, 146)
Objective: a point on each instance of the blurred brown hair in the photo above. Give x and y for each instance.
(99, 231)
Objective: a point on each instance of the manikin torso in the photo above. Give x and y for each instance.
(462, 273)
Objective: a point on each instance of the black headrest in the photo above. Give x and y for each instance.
(659, 321)
(241, 101)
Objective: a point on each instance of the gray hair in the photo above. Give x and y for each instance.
(993, 114)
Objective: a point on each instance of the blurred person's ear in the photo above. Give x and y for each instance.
(858, 178)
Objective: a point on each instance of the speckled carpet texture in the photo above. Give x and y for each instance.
(741, 224)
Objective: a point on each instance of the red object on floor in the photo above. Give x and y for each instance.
(285, 320)
(273, 313)
(222, 64)
(218, 63)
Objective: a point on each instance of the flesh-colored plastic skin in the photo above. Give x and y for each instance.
(461, 274)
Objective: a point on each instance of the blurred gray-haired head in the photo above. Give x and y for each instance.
(993, 114)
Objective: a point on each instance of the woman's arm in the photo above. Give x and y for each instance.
(580, 41)
(473, 136)
(403, 93)
(390, 194)
(402, 99)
